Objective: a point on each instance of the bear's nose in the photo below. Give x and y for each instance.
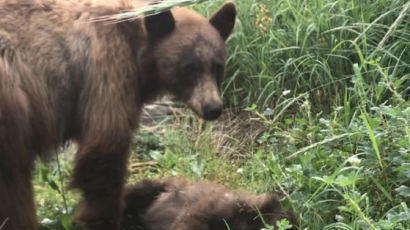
(212, 110)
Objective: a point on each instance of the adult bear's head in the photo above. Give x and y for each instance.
(186, 55)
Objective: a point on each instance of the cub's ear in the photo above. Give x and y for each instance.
(268, 203)
(224, 19)
(159, 25)
(270, 207)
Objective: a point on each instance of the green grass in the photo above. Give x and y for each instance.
(311, 46)
(329, 172)
(317, 96)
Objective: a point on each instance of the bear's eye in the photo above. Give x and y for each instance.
(218, 72)
(188, 68)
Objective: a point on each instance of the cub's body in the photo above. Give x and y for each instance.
(181, 204)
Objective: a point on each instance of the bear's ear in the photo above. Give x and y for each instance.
(159, 25)
(268, 203)
(224, 19)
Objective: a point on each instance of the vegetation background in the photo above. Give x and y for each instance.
(317, 108)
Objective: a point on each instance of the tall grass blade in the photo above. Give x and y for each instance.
(371, 136)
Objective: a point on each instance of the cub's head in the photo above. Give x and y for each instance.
(249, 212)
(185, 57)
(240, 212)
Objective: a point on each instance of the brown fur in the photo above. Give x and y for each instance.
(181, 204)
(63, 77)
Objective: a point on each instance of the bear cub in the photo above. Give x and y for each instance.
(182, 204)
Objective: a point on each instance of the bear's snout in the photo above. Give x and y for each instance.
(212, 110)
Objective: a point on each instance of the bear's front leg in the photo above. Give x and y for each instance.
(99, 173)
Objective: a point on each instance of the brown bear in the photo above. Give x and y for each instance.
(181, 204)
(66, 76)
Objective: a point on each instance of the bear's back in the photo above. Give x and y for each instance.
(58, 41)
